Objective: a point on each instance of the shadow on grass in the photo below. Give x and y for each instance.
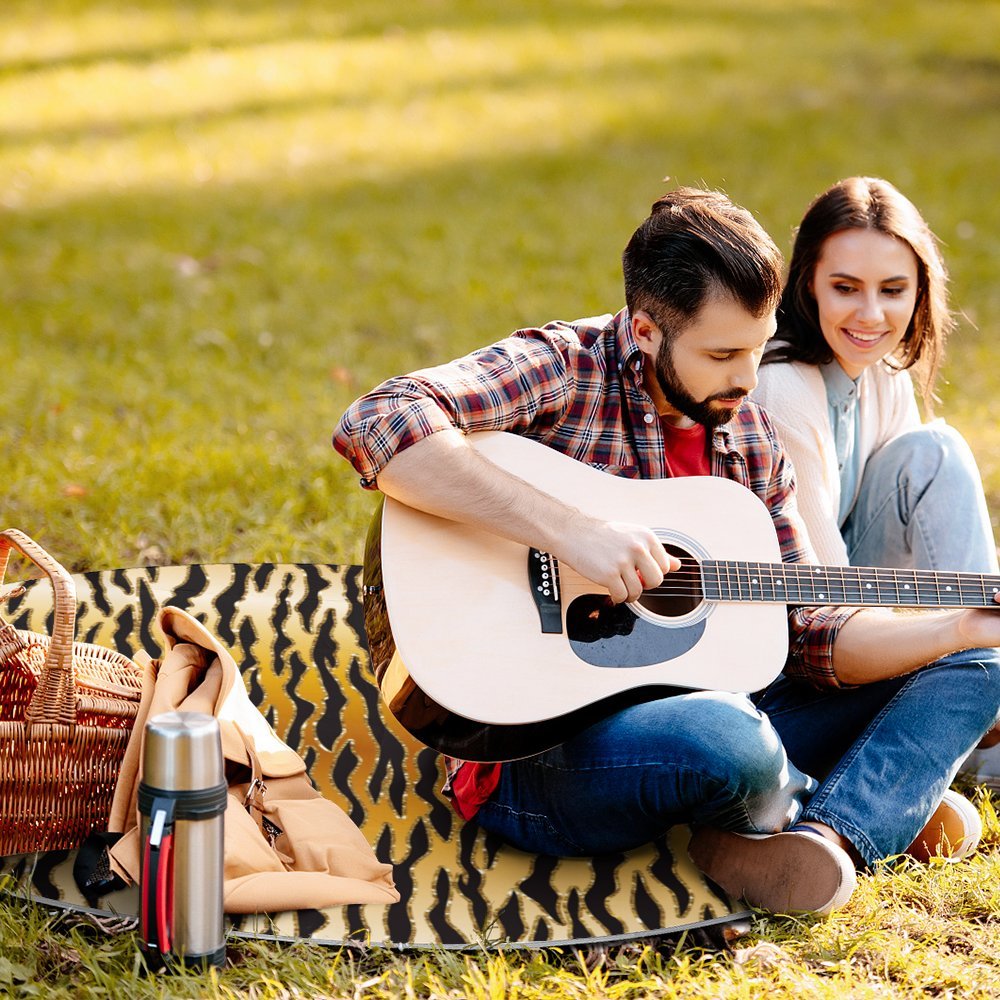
(240, 24)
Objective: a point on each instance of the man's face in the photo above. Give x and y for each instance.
(704, 374)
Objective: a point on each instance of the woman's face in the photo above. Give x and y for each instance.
(865, 285)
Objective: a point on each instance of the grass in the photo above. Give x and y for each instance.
(221, 221)
(911, 931)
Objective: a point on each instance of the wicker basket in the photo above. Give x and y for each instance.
(66, 711)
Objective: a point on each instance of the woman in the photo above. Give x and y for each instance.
(865, 305)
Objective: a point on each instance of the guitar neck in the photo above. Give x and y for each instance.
(801, 583)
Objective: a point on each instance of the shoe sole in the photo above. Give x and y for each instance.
(782, 872)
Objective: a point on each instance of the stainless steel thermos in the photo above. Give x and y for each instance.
(182, 802)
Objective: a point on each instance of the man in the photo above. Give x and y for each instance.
(860, 738)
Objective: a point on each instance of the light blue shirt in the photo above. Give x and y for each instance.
(842, 402)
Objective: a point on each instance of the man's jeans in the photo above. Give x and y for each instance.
(884, 754)
(702, 757)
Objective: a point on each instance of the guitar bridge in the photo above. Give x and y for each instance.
(543, 577)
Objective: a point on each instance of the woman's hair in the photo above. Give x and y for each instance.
(866, 203)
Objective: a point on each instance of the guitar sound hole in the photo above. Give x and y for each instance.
(680, 593)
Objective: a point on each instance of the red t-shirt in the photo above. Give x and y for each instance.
(686, 450)
(686, 455)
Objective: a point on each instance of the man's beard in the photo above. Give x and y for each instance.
(680, 399)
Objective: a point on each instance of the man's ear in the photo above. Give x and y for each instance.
(646, 333)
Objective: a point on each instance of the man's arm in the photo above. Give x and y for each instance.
(444, 475)
(876, 643)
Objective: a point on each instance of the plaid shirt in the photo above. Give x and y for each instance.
(577, 387)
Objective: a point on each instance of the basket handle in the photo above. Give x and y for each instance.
(54, 700)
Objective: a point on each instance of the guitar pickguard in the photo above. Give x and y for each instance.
(612, 635)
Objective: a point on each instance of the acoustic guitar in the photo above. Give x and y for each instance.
(485, 649)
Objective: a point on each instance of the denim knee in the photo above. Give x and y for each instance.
(761, 790)
(969, 689)
(746, 749)
(923, 454)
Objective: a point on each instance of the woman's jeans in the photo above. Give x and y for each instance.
(920, 505)
(872, 761)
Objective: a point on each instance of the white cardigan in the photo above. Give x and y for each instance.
(794, 395)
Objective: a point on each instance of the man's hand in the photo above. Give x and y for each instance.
(624, 558)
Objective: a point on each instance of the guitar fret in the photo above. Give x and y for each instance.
(772, 593)
(907, 587)
(850, 585)
(706, 569)
(740, 577)
(867, 586)
(766, 575)
(949, 589)
(800, 597)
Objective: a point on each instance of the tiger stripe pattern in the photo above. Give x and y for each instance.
(297, 633)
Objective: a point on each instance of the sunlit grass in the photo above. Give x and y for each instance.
(914, 931)
(219, 222)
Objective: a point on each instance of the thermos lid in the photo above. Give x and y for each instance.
(182, 752)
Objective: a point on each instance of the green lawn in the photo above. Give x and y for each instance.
(221, 221)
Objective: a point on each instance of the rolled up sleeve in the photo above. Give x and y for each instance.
(515, 384)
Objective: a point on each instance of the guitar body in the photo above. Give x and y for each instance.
(457, 635)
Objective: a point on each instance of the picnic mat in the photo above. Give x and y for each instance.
(297, 633)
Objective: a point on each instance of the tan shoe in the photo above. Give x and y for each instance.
(788, 872)
(953, 832)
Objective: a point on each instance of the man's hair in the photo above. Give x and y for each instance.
(693, 245)
(874, 204)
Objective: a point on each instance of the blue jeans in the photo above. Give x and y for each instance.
(885, 753)
(921, 506)
(704, 757)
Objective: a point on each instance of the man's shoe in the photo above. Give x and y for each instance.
(953, 831)
(789, 872)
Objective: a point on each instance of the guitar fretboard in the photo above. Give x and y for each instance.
(800, 583)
